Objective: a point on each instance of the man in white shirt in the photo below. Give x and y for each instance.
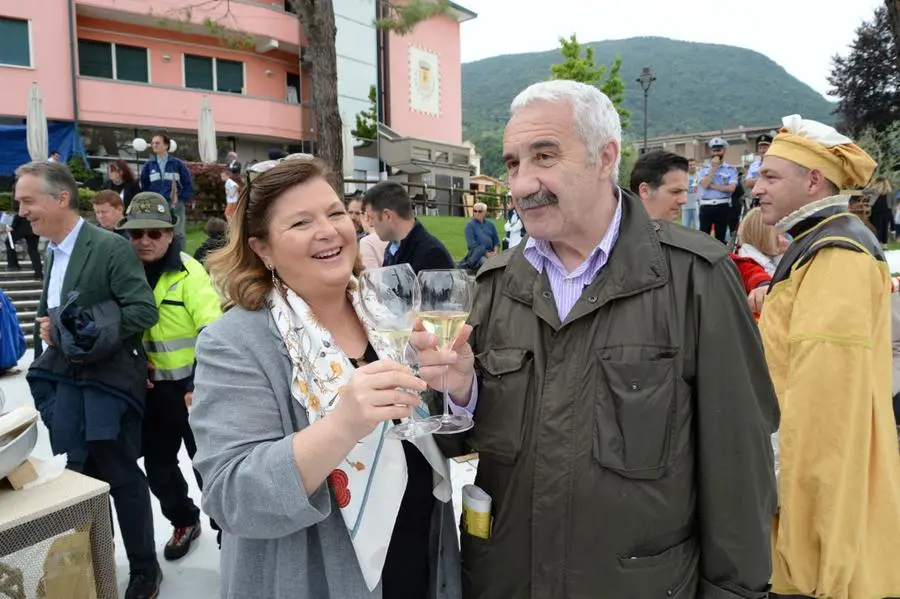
(90, 390)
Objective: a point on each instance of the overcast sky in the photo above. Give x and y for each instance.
(800, 35)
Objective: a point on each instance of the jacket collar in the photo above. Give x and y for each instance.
(410, 241)
(636, 263)
(78, 259)
(806, 217)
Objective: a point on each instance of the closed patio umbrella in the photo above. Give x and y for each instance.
(36, 125)
(206, 134)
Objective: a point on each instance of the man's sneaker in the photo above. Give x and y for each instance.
(181, 540)
(144, 585)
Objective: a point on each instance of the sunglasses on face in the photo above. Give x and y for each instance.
(154, 234)
(267, 165)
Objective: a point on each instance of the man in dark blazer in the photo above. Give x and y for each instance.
(389, 209)
(101, 267)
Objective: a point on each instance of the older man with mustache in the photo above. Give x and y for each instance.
(621, 399)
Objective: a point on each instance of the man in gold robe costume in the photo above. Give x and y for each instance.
(826, 329)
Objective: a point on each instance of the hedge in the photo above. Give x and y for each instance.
(209, 193)
(84, 200)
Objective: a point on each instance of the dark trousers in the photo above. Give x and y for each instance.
(715, 217)
(115, 463)
(12, 259)
(165, 428)
(734, 216)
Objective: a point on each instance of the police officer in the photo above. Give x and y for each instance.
(762, 146)
(187, 302)
(718, 180)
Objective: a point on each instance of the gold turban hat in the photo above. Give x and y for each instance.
(818, 146)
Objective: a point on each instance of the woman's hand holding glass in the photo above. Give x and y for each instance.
(391, 297)
(377, 393)
(457, 362)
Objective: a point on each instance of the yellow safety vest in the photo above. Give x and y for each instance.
(187, 302)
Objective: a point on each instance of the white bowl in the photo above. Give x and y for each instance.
(17, 451)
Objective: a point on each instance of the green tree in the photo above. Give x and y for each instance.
(614, 88)
(579, 65)
(626, 165)
(401, 18)
(367, 120)
(574, 66)
(867, 79)
(883, 145)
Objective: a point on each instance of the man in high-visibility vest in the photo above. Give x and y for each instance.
(187, 302)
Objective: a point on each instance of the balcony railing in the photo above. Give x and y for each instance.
(259, 18)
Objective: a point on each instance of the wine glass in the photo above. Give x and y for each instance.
(390, 297)
(446, 301)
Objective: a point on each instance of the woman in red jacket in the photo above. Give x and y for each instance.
(756, 281)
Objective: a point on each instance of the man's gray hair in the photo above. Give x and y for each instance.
(57, 179)
(595, 116)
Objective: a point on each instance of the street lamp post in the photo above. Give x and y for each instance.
(646, 80)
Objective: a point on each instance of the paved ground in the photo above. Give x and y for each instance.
(196, 576)
(893, 259)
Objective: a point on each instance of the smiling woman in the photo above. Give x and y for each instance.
(293, 392)
(277, 232)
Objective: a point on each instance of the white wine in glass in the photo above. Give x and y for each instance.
(446, 301)
(391, 297)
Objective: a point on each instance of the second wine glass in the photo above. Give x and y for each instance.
(446, 301)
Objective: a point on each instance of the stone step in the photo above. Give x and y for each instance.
(27, 305)
(26, 274)
(25, 316)
(17, 295)
(20, 284)
(27, 327)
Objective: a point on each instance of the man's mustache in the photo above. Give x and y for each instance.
(538, 200)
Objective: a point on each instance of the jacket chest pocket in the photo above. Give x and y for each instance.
(505, 375)
(634, 415)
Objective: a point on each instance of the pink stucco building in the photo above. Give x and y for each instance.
(122, 68)
(421, 95)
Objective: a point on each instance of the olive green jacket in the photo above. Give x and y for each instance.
(627, 449)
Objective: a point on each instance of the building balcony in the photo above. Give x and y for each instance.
(266, 21)
(106, 102)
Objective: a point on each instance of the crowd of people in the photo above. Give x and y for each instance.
(657, 413)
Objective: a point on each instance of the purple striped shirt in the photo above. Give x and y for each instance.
(566, 286)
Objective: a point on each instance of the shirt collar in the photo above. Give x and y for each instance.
(68, 244)
(540, 251)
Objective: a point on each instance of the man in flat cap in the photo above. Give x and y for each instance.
(826, 329)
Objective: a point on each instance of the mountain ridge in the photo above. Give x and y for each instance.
(745, 87)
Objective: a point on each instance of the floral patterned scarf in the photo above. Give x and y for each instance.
(369, 485)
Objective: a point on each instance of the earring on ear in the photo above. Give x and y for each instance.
(275, 280)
